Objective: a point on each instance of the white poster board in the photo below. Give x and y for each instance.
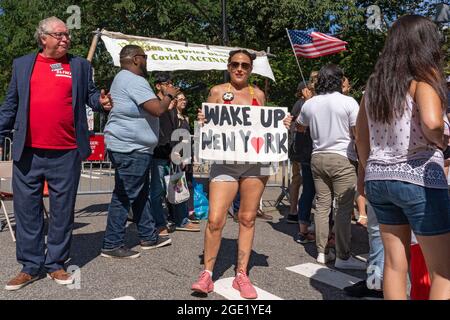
(239, 133)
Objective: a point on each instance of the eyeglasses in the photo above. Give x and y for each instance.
(244, 65)
(141, 55)
(167, 83)
(181, 99)
(59, 35)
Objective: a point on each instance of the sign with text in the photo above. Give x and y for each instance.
(167, 55)
(97, 143)
(243, 133)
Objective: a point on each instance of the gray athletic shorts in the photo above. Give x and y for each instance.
(234, 172)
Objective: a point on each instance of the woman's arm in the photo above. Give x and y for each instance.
(362, 135)
(431, 116)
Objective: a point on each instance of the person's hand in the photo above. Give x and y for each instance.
(173, 91)
(288, 121)
(360, 184)
(106, 100)
(1, 153)
(172, 104)
(200, 117)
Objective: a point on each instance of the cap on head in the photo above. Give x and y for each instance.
(161, 77)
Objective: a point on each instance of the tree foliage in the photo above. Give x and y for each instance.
(256, 24)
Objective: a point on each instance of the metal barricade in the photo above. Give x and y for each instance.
(97, 177)
(7, 151)
(282, 180)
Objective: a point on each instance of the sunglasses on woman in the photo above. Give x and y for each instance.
(244, 65)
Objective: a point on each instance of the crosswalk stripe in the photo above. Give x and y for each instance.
(324, 274)
(224, 288)
(124, 298)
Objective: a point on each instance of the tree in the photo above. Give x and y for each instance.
(255, 24)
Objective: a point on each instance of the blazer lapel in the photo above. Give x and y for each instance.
(28, 73)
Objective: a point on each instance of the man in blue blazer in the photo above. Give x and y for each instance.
(45, 105)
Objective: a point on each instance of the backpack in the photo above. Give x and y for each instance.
(301, 147)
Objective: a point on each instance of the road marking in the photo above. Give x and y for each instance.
(225, 289)
(124, 298)
(324, 274)
(89, 176)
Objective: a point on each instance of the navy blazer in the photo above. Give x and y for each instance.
(14, 112)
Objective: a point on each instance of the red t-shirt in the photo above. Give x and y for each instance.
(51, 123)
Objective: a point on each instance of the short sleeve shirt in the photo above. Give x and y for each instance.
(330, 118)
(130, 127)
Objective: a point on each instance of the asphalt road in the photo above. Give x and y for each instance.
(167, 273)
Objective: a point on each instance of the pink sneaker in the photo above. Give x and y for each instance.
(242, 283)
(204, 283)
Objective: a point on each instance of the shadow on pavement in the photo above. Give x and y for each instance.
(87, 246)
(93, 210)
(227, 258)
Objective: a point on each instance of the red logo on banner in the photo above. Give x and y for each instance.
(98, 148)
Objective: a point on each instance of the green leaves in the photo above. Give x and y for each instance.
(255, 24)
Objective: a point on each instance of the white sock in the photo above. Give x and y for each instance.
(210, 273)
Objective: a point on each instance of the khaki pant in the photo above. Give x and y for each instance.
(334, 177)
(294, 188)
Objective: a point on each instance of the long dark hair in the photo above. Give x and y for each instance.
(329, 79)
(412, 52)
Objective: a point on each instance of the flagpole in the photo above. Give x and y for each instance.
(296, 59)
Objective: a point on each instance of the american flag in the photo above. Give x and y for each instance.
(314, 44)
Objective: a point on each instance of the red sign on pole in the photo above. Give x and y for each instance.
(98, 148)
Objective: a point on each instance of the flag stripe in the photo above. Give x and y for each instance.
(319, 51)
(325, 37)
(317, 48)
(310, 56)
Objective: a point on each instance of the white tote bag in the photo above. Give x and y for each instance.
(177, 190)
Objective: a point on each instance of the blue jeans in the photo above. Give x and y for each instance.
(307, 197)
(376, 252)
(178, 212)
(131, 189)
(426, 210)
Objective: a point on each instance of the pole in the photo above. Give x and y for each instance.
(266, 84)
(224, 33)
(93, 45)
(90, 56)
(292, 46)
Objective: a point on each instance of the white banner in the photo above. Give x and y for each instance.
(243, 133)
(166, 55)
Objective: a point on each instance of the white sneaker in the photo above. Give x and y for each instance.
(324, 258)
(350, 263)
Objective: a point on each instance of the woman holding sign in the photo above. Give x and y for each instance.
(227, 179)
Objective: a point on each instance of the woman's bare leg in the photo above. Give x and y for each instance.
(251, 190)
(436, 251)
(396, 242)
(221, 195)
